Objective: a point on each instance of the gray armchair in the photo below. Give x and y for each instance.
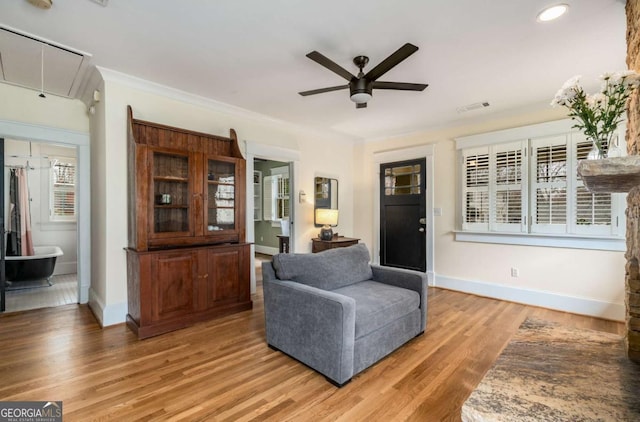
(338, 314)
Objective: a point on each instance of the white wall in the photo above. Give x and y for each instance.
(318, 153)
(62, 234)
(583, 281)
(24, 105)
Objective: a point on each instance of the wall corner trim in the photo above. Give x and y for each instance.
(107, 314)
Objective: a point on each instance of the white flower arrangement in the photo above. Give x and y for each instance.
(598, 115)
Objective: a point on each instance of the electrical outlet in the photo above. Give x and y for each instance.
(262, 240)
(515, 272)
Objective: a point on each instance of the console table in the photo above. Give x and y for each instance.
(320, 245)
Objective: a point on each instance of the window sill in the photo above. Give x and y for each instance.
(602, 243)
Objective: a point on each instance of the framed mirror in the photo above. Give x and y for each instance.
(325, 195)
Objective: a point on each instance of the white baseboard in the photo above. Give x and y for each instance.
(267, 250)
(107, 315)
(65, 268)
(543, 299)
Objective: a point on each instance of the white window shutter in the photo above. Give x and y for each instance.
(475, 192)
(268, 192)
(592, 211)
(63, 191)
(549, 184)
(508, 199)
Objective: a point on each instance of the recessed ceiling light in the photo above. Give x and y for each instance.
(552, 12)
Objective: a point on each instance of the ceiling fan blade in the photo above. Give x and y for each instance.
(361, 105)
(403, 86)
(330, 64)
(391, 61)
(321, 90)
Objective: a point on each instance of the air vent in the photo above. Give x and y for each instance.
(473, 106)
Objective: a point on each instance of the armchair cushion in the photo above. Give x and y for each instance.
(328, 270)
(378, 304)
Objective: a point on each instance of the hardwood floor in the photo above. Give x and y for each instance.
(222, 370)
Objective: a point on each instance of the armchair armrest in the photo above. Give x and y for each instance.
(411, 280)
(315, 326)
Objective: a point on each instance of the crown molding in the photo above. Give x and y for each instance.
(135, 82)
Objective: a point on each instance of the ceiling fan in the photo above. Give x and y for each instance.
(361, 86)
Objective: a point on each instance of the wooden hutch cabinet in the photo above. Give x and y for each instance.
(187, 259)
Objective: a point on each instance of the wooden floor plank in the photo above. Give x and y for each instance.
(223, 370)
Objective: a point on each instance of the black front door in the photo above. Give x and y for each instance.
(403, 215)
(2, 238)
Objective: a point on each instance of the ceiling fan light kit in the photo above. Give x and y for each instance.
(361, 87)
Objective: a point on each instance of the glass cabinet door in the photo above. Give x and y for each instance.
(221, 203)
(170, 190)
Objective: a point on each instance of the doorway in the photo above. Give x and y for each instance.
(289, 157)
(271, 206)
(421, 152)
(80, 142)
(39, 207)
(403, 219)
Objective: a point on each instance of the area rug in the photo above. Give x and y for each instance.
(549, 372)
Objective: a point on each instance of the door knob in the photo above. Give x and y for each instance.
(423, 220)
(421, 229)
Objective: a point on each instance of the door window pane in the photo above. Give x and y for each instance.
(402, 180)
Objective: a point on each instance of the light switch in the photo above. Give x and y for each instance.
(437, 212)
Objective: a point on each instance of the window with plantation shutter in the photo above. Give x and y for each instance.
(276, 197)
(530, 188)
(63, 191)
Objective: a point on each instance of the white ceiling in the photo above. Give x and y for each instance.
(251, 53)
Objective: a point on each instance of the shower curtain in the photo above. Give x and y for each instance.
(19, 239)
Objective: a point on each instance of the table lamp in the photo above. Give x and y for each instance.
(327, 218)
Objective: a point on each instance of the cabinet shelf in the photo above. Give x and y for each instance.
(170, 179)
(610, 175)
(215, 182)
(171, 206)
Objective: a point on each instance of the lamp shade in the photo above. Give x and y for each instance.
(327, 217)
